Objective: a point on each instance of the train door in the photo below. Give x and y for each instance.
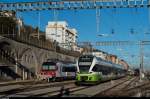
(62, 71)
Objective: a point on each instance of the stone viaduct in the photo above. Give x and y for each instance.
(26, 59)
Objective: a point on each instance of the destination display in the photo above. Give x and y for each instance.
(84, 63)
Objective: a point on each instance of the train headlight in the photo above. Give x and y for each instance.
(90, 78)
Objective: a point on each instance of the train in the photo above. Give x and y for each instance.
(93, 70)
(137, 72)
(57, 70)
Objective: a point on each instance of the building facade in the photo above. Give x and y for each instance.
(100, 54)
(61, 33)
(124, 63)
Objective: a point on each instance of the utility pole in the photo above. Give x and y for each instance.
(38, 25)
(97, 18)
(141, 60)
(55, 19)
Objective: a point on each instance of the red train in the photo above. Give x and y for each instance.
(57, 71)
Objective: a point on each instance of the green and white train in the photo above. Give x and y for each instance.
(92, 70)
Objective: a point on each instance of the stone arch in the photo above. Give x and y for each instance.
(23, 51)
(12, 54)
(28, 53)
(43, 56)
(25, 58)
(4, 45)
(15, 52)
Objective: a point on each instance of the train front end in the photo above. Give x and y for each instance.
(84, 74)
(48, 71)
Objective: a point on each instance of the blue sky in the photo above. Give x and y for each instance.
(120, 20)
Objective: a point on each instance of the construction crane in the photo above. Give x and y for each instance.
(71, 4)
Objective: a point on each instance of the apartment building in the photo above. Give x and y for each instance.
(60, 32)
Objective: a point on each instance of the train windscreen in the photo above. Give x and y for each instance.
(85, 62)
(49, 66)
(69, 69)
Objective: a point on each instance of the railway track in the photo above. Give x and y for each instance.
(13, 89)
(54, 89)
(57, 93)
(141, 89)
(116, 89)
(129, 88)
(26, 82)
(93, 90)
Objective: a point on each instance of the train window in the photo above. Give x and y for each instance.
(69, 69)
(100, 68)
(98, 58)
(49, 66)
(85, 63)
(52, 67)
(84, 68)
(45, 67)
(96, 68)
(49, 63)
(106, 70)
(86, 58)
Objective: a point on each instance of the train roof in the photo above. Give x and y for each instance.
(109, 63)
(90, 55)
(56, 61)
(99, 58)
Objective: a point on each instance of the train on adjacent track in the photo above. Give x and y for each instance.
(57, 70)
(92, 70)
